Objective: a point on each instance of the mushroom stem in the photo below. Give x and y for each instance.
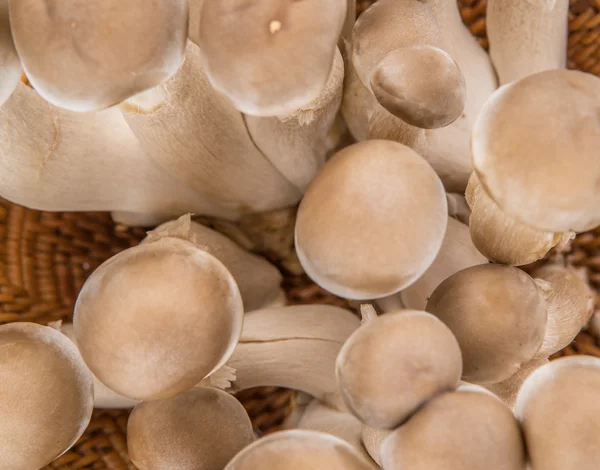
(10, 65)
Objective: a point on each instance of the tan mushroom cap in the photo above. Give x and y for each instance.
(422, 85)
(10, 65)
(457, 431)
(46, 396)
(201, 429)
(498, 316)
(368, 198)
(300, 450)
(559, 411)
(270, 57)
(156, 319)
(508, 390)
(107, 50)
(392, 366)
(533, 160)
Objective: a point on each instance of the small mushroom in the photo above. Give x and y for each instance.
(559, 412)
(367, 197)
(156, 319)
(498, 316)
(10, 65)
(201, 429)
(253, 51)
(394, 364)
(300, 450)
(107, 50)
(457, 431)
(532, 161)
(47, 396)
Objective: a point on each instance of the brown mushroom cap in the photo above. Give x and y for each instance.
(457, 431)
(108, 50)
(422, 85)
(559, 411)
(270, 57)
(10, 65)
(300, 450)
(201, 429)
(367, 198)
(390, 367)
(531, 158)
(156, 319)
(498, 316)
(46, 395)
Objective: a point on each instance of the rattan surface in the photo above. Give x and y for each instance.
(46, 257)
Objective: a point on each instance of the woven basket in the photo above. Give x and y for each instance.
(46, 257)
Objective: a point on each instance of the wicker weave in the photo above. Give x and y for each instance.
(46, 257)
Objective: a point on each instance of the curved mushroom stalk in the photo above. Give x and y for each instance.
(107, 50)
(527, 37)
(10, 64)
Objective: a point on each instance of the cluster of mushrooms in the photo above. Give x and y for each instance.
(462, 167)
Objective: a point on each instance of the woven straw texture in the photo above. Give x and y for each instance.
(46, 257)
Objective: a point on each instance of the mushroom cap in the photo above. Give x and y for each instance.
(10, 65)
(108, 50)
(270, 57)
(508, 390)
(201, 429)
(47, 395)
(498, 316)
(559, 411)
(368, 197)
(422, 85)
(393, 365)
(154, 320)
(457, 431)
(536, 156)
(300, 450)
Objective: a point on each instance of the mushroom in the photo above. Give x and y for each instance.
(300, 450)
(156, 319)
(498, 316)
(502, 238)
(559, 412)
(527, 37)
(251, 51)
(201, 429)
(366, 198)
(47, 396)
(372, 438)
(107, 50)
(570, 304)
(462, 430)
(457, 253)
(394, 364)
(532, 161)
(10, 65)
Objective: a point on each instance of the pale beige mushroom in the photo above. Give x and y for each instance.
(201, 429)
(300, 450)
(46, 396)
(457, 431)
(367, 197)
(394, 364)
(527, 37)
(529, 157)
(498, 315)
(254, 51)
(559, 411)
(10, 65)
(88, 55)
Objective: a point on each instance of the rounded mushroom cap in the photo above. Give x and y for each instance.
(47, 395)
(201, 429)
(156, 319)
(508, 390)
(300, 450)
(457, 431)
(498, 316)
(390, 367)
(367, 198)
(536, 155)
(270, 57)
(108, 50)
(422, 85)
(559, 411)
